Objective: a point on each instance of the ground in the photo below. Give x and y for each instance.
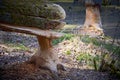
(13, 65)
(16, 49)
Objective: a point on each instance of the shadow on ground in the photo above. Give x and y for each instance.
(25, 71)
(21, 70)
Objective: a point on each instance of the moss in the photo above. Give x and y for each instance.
(37, 8)
(30, 21)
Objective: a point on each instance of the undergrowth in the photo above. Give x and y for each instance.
(17, 46)
(89, 60)
(93, 61)
(65, 37)
(109, 46)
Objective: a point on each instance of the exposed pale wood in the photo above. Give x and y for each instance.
(46, 56)
(92, 25)
(30, 30)
(45, 43)
(93, 18)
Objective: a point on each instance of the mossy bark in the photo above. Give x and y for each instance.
(30, 21)
(35, 13)
(37, 8)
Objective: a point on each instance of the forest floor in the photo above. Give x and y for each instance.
(13, 57)
(16, 49)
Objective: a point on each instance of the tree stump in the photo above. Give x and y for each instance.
(92, 25)
(45, 57)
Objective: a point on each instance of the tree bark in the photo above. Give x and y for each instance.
(93, 25)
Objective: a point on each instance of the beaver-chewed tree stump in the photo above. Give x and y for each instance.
(93, 24)
(38, 18)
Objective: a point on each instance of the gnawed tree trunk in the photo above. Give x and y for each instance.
(92, 25)
(35, 17)
(45, 56)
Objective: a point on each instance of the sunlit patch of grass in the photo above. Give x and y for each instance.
(89, 60)
(61, 0)
(65, 37)
(69, 26)
(109, 46)
(84, 57)
(87, 39)
(18, 47)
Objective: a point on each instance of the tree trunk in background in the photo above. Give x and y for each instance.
(92, 24)
(75, 1)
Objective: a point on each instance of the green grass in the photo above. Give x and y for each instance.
(110, 47)
(84, 56)
(69, 26)
(87, 39)
(61, 0)
(18, 47)
(65, 37)
(89, 60)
